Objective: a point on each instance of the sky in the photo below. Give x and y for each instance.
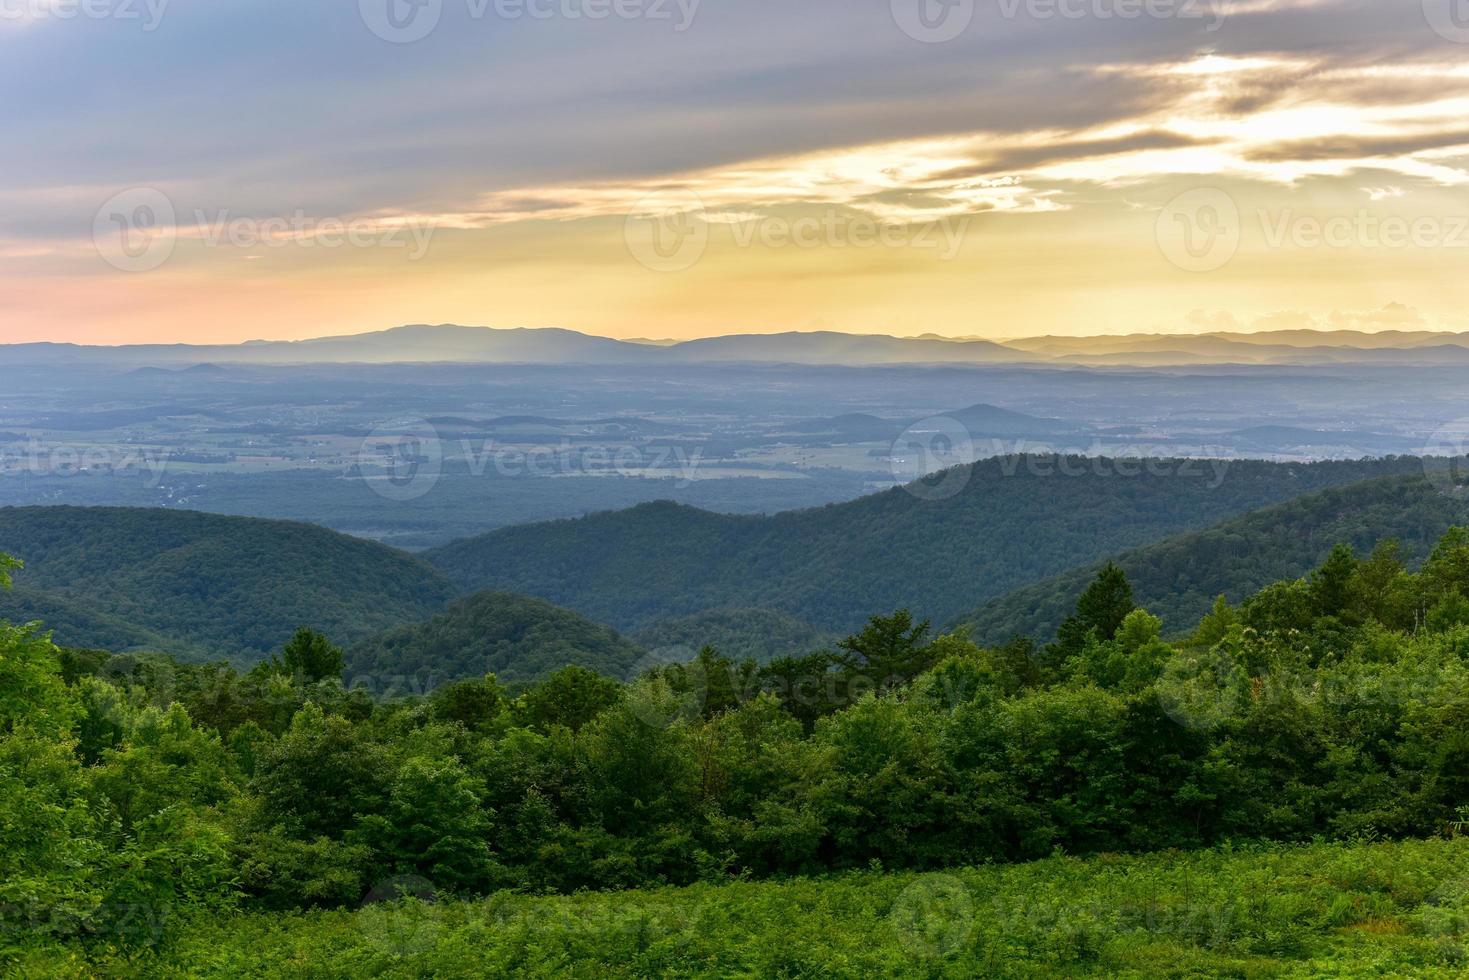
(225, 170)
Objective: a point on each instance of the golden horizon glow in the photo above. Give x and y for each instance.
(994, 232)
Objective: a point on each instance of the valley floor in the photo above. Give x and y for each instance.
(1374, 909)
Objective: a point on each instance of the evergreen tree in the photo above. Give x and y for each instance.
(309, 657)
(1331, 584)
(1216, 625)
(890, 646)
(1100, 611)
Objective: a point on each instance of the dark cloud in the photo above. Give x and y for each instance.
(1358, 147)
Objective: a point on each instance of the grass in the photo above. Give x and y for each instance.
(1314, 911)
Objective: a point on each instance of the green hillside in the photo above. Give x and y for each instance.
(204, 585)
(513, 637)
(1179, 578)
(740, 634)
(1014, 522)
(1323, 910)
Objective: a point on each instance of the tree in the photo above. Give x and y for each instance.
(807, 687)
(7, 565)
(1331, 584)
(1447, 569)
(32, 691)
(471, 703)
(1216, 624)
(434, 824)
(320, 777)
(572, 696)
(890, 647)
(309, 657)
(1100, 611)
(1378, 583)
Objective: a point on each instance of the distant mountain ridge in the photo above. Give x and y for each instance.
(203, 585)
(513, 637)
(1011, 522)
(1179, 577)
(423, 343)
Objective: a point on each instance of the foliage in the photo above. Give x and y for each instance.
(1327, 708)
(1180, 577)
(513, 637)
(1356, 910)
(309, 656)
(1015, 521)
(202, 585)
(761, 635)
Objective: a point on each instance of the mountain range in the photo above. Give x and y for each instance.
(940, 547)
(1179, 577)
(1007, 553)
(550, 345)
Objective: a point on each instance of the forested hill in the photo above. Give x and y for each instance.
(204, 585)
(1179, 578)
(1015, 521)
(514, 637)
(760, 635)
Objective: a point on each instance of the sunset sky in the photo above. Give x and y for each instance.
(191, 170)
